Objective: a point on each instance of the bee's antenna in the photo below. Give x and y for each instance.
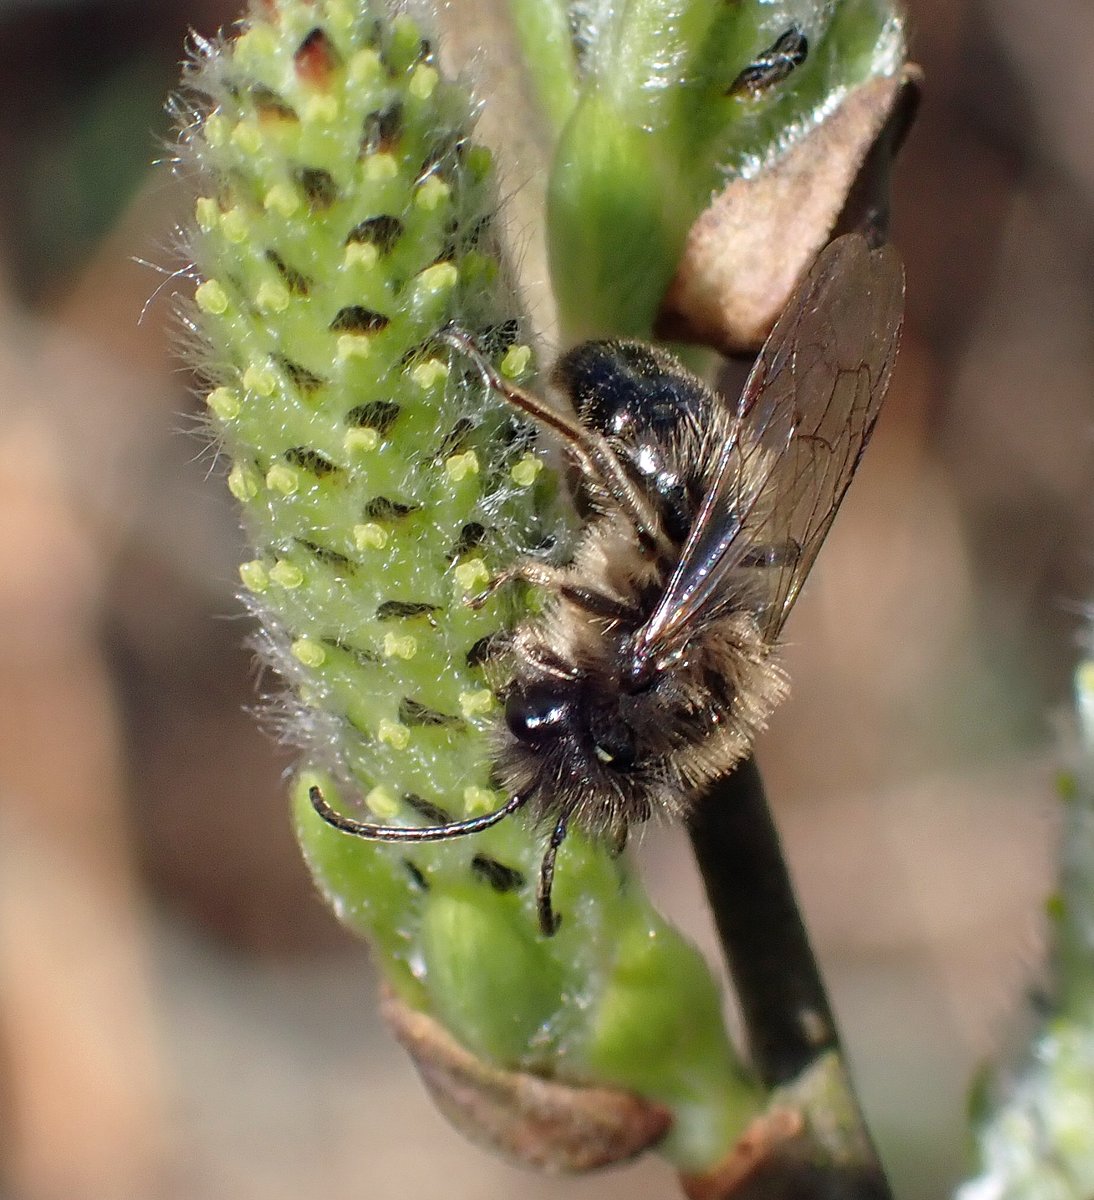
(593, 453)
(412, 833)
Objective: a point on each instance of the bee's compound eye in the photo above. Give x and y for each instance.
(537, 714)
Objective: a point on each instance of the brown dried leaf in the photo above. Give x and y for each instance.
(745, 253)
(538, 1122)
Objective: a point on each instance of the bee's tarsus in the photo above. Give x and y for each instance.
(549, 920)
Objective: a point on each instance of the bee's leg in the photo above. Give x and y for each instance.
(411, 833)
(529, 647)
(593, 453)
(549, 920)
(557, 580)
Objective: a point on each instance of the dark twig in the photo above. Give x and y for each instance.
(787, 1016)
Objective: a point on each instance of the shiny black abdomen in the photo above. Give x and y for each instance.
(654, 414)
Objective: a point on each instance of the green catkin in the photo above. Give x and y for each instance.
(345, 215)
(1037, 1141)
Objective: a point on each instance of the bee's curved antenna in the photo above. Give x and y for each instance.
(412, 833)
(549, 921)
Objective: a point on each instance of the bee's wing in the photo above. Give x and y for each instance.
(804, 417)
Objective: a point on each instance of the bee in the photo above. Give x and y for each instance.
(654, 664)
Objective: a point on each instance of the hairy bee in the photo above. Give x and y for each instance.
(654, 666)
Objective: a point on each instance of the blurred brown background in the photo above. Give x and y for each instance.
(179, 1017)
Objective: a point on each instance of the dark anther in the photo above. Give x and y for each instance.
(394, 610)
(455, 438)
(315, 58)
(431, 813)
(471, 535)
(382, 232)
(418, 879)
(270, 106)
(383, 509)
(500, 877)
(310, 460)
(382, 129)
(480, 651)
(305, 380)
(364, 657)
(318, 185)
(378, 414)
(297, 283)
(356, 319)
(412, 712)
(325, 555)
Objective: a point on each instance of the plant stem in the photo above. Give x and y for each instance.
(787, 1015)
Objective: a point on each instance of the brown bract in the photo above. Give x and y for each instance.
(762, 1144)
(809, 1143)
(537, 1122)
(747, 250)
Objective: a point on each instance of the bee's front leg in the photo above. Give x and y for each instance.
(549, 920)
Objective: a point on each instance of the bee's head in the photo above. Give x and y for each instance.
(545, 716)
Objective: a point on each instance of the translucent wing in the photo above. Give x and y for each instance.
(804, 417)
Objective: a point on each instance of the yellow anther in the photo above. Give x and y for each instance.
(272, 296)
(243, 483)
(370, 536)
(282, 199)
(283, 479)
(224, 402)
(363, 254)
(423, 82)
(256, 46)
(260, 380)
(400, 645)
(516, 361)
(353, 345)
(441, 277)
(360, 440)
(432, 194)
(365, 64)
(234, 226)
(211, 297)
(476, 704)
(380, 167)
(216, 129)
(479, 800)
(472, 575)
(309, 652)
(206, 213)
(321, 108)
(381, 803)
(431, 371)
(395, 735)
(286, 574)
(254, 575)
(523, 473)
(460, 466)
(248, 137)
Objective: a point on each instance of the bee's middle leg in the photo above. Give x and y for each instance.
(559, 582)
